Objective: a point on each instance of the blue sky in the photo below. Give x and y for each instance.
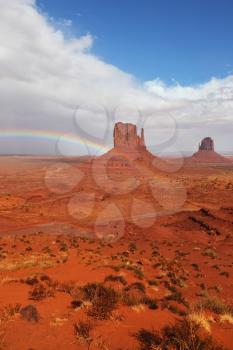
(172, 61)
(189, 41)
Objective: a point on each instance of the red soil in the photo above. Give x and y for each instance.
(186, 246)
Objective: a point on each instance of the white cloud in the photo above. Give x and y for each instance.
(214, 89)
(44, 76)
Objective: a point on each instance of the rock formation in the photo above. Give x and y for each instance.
(207, 154)
(129, 146)
(125, 136)
(207, 144)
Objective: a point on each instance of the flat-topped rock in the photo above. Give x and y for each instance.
(207, 154)
(129, 146)
(125, 136)
(207, 144)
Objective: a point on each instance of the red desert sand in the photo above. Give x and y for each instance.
(123, 251)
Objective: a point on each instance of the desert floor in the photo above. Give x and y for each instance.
(89, 260)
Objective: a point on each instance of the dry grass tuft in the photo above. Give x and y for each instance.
(226, 318)
(8, 279)
(103, 300)
(202, 320)
(138, 308)
(8, 312)
(58, 322)
(184, 335)
(34, 260)
(82, 331)
(40, 292)
(214, 304)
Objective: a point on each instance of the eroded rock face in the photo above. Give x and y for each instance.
(207, 144)
(125, 135)
(207, 154)
(129, 147)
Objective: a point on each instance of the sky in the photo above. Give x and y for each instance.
(70, 69)
(188, 41)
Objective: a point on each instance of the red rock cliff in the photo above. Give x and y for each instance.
(207, 144)
(125, 136)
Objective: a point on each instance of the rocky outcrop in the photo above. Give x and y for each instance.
(207, 144)
(207, 154)
(129, 146)
(142, 139)
(30, 313)
(125, 136)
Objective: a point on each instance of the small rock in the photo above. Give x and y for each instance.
(30, 313)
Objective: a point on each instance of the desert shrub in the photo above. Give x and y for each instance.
(151, 303)
(177, 296)
(40, 292)
(175, 310)
(184, 335)
(132, 297)
(210, 230)
(82, 331)
(89, 290)
(138, 273)
(132, 247)
(210, 253)
(214, 304)
(157, 265)
(148, 340)
(45, 278)
(9, 311)
(66, 287)
(113, 278)
(31, 281)
(202, 286)
(43, 287)
(155, 253)
(28, 249)
(136, 285)
(225, 273)
(195, 266)
(74, 243)
(63, 247)
(116, 268)
(125, 254)
(153, 282)
(104, 300)
(76, 304)
(134, 294)
(170, 287)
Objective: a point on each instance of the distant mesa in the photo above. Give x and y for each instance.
(206, 153)
(130, 147)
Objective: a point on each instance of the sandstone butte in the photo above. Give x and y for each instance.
(130, 146)
(206, 153)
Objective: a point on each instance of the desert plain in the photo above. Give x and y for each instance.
(114, 257)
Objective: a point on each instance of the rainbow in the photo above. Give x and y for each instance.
(68, 138)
